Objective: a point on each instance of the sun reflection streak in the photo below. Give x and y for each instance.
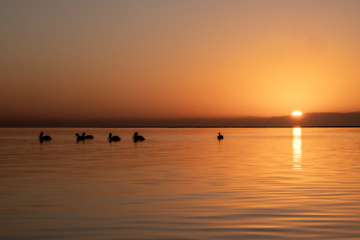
(297, 151)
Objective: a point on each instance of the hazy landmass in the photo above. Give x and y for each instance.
(351, 119)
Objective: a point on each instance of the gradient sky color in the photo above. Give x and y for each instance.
(86, 59)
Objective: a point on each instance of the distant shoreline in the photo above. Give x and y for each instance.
(311, 120)
(180, 127)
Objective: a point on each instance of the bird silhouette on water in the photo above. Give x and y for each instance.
(220, 136)
(80, 138)
(83, 137)
(137, 137)
(112, 138)
(44, 138)
(88, 136)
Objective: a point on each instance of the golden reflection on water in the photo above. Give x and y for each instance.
(297, 152)
(181, 184)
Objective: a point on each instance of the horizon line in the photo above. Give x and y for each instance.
(320, 126)
(314, 119)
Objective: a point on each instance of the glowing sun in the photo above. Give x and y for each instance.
(296, 113)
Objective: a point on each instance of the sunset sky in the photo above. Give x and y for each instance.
(87, 59)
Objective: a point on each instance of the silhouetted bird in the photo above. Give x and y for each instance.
(88, 136)
(113, 138)
(80, 138)
(220, 136)
(137, 137)
(44, 138)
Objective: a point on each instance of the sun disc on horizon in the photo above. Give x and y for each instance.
(296, 113)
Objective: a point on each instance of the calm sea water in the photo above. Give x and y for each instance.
(181, 184)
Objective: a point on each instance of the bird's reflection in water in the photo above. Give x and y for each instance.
(297, 152)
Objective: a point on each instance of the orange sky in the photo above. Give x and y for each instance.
(139, 59)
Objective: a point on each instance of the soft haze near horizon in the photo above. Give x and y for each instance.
(170, 59)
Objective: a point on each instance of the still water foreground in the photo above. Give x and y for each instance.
(181, 184)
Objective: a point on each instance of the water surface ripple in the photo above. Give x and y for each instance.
(181, 184)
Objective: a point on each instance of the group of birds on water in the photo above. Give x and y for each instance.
(82, 137)
(110, 138)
